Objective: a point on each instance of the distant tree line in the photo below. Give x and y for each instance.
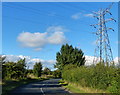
(18, 70)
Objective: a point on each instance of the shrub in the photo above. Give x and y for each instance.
(12, 70)
(99, 77)
(57, 74)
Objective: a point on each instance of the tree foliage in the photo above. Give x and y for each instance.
(57, 74)
(14, 70)
(69, 55)
(46, 71)
(37, 69)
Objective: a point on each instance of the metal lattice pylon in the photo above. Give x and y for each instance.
(103, 52)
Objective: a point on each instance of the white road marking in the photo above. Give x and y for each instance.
(42, 90)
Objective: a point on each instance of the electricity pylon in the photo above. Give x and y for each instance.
(103, 52)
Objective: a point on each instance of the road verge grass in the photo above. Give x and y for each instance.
(9, 85)
(77, 88)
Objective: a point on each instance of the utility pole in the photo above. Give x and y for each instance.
(103, 51)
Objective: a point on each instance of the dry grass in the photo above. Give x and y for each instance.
(87, 89)
(0, 82)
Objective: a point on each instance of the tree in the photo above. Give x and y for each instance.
(57, 74)
(14, 70)
(20, 67)
(69, 55)
(37, 69)
(46, 71)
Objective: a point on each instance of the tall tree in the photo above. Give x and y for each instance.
(37, 69)
(69, 55)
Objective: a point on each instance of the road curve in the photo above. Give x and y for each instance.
(46, 87)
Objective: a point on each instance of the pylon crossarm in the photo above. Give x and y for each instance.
(103, 51)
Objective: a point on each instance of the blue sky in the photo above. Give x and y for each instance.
(52, 24)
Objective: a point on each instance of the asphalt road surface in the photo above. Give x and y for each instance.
(46, 87)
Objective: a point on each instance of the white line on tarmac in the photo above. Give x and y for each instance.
(42, 91)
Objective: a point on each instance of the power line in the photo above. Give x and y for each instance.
(47, 13)
(74, 8)
(21, 7)
(34, 10)
(69, 7)
(24, 20)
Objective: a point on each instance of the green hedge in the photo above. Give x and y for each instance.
(99, 77)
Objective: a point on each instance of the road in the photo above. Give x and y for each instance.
(46, 87)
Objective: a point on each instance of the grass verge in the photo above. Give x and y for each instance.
(76, 88)
(9, 85)
(73, 89)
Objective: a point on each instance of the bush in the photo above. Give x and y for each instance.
(99, 77)
(47, 71)
(57, 74)
(12, 70)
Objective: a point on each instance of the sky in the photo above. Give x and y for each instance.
(37, 30)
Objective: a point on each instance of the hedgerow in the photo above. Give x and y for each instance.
(99, 77)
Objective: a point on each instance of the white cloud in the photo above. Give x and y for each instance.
(57, 38)
(48, 63)
(28, 39)
(37, 49)
(15, 58)
(76, 16)
(117, 60)
(80, 15)
(31, 61)
(89, 60)
(37, 40)
(55, 29)
(88, 15)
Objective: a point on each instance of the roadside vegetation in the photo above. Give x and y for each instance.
(70, 64)
(15, 74)
(99, 77)
(86, 79)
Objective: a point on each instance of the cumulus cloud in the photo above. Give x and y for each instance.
(80, 15)
(28, 39)
(49, 63)
(15, 58)
(30, 61)
(57, 38)
(45, 63)
(117, 60)
(37, 40)
(89, 60)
